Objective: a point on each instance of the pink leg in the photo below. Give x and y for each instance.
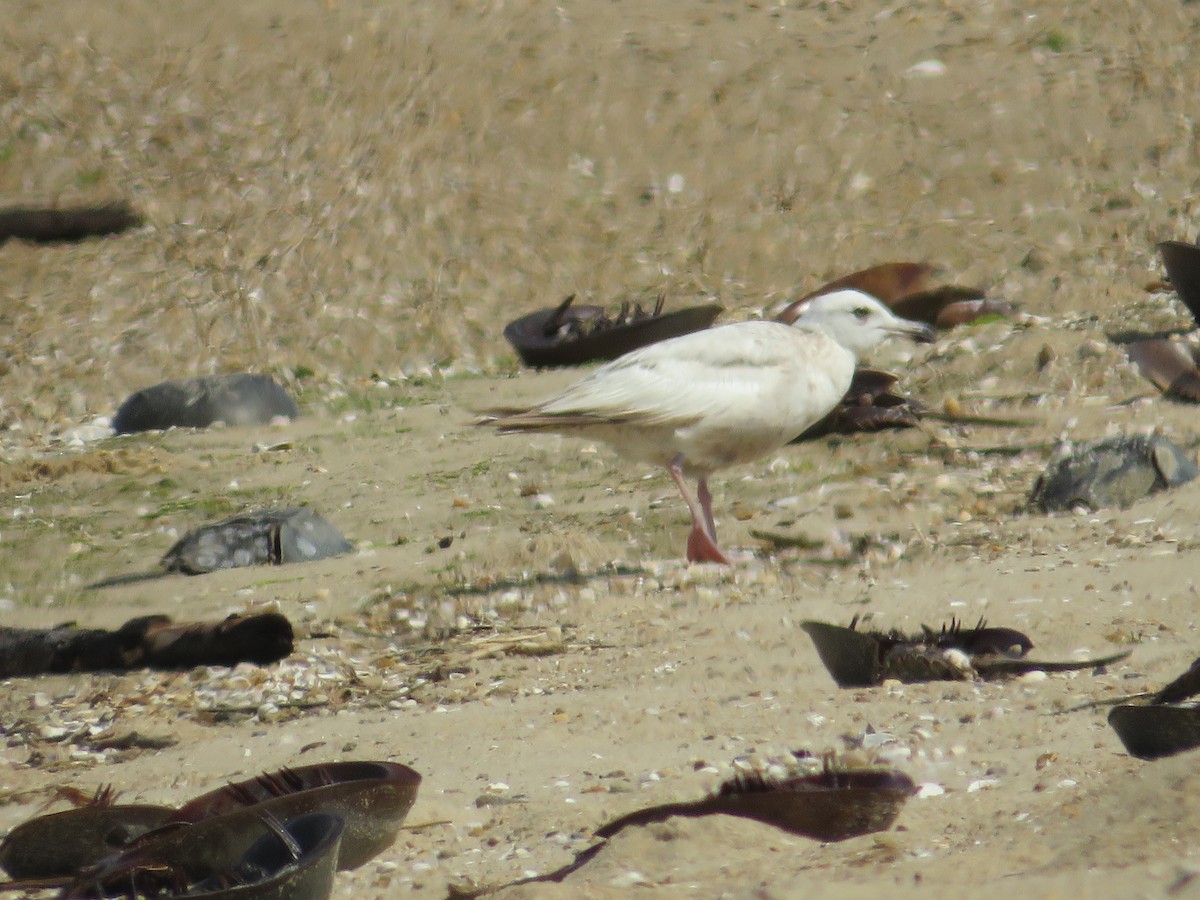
(702, 541)
(705, 498)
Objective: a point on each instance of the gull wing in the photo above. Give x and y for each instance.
(716, 373)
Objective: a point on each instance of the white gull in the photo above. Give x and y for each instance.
(721, 397)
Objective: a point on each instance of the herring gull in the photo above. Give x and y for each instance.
(720, 397)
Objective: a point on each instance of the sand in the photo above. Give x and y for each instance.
(357, 197)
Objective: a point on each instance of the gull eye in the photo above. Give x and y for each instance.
(862, 313)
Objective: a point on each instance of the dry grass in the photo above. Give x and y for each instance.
(377, 188)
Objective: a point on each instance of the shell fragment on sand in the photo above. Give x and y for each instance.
(238, 399)
(1111, 473)
(266, 537)
(906, 288)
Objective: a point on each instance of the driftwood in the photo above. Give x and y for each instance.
(73, 223)
(145, 642)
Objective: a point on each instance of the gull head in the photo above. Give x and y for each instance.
(858, 321)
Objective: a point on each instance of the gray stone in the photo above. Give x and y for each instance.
(1111, 473)
(239, 399)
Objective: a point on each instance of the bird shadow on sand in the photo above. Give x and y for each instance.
(569, 576)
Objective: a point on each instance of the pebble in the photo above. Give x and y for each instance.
(927, 68)
(629, 879)
(981, 784)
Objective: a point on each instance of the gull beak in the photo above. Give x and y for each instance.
(917, 331)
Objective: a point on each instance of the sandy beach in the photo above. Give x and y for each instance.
(355, 198)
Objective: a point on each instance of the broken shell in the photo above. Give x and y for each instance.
(1182, 688)
(851, 656)
(965, 312)
(863, 658)
(371, 798)
(869, 405)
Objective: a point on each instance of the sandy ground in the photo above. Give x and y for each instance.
(356, 197)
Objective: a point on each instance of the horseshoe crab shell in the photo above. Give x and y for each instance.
(1166, 724)
(1169, 366)
(1152, 731)
(264, 537)
(538, 341)
(371, 799)
(238, 399)
(865, 658)
(253, 858)
(831, 805)
(1114, 472)
(906, 287)
(1182, 262)
(64, 842)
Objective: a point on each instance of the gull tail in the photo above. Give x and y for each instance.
(508, 420)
